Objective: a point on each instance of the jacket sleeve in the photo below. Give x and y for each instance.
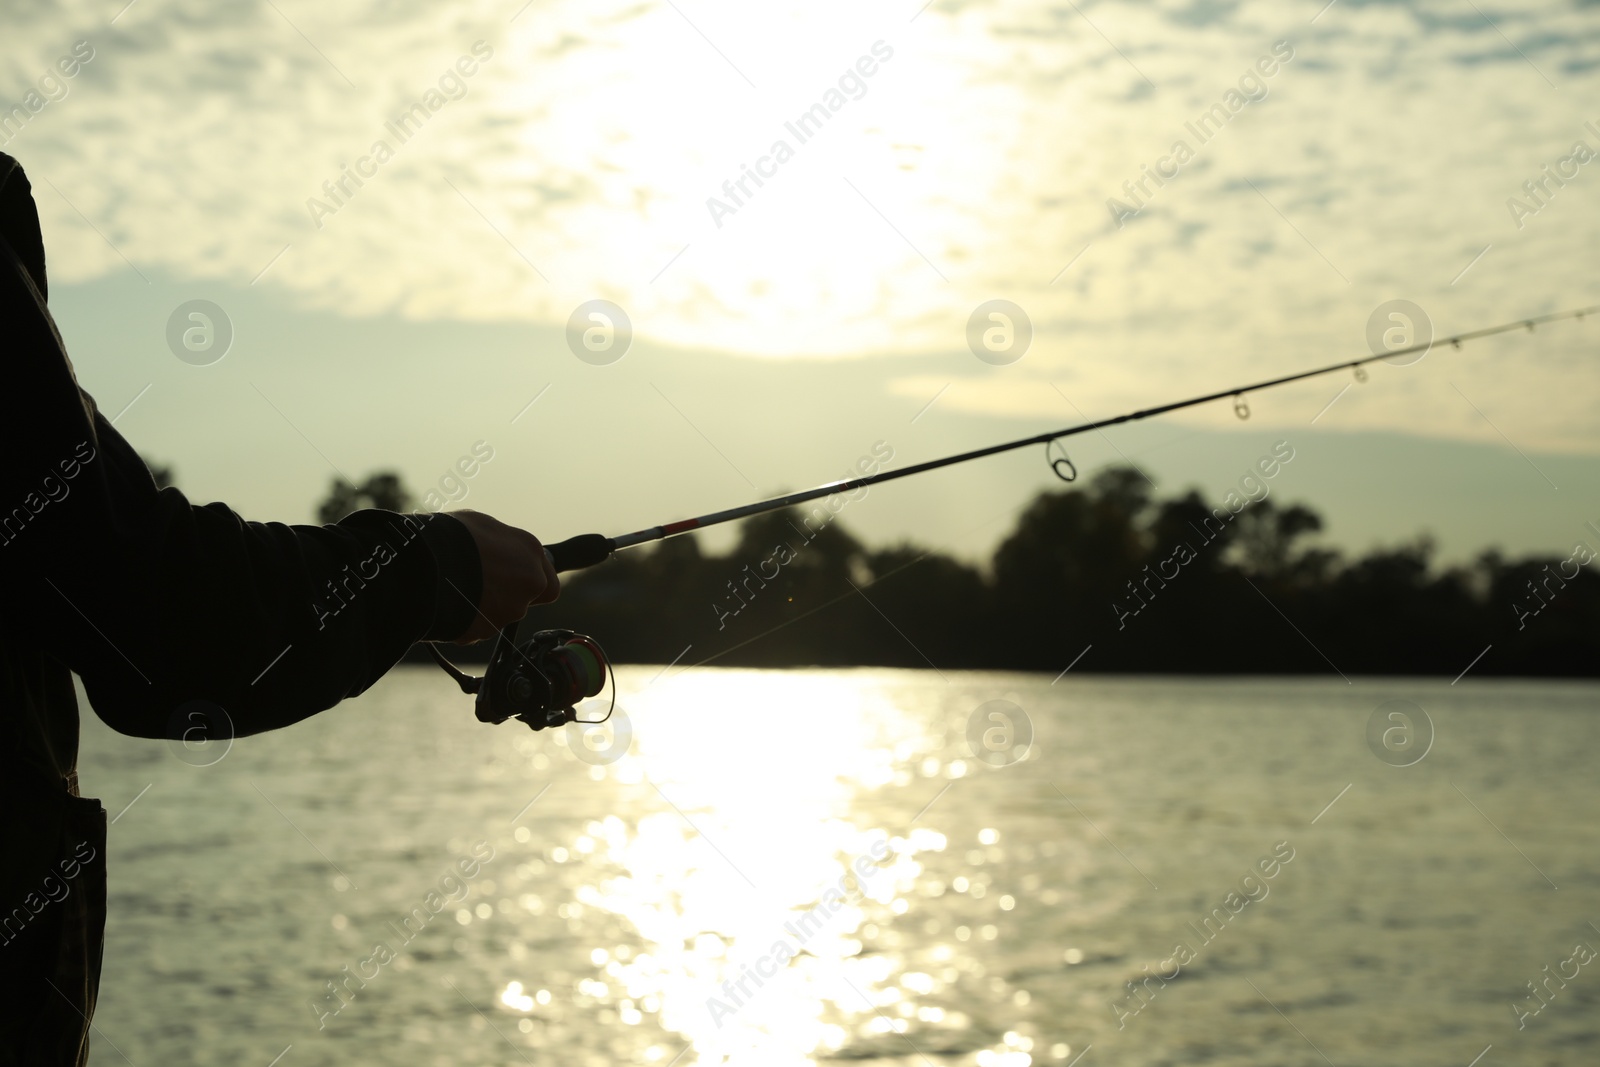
(158, 603)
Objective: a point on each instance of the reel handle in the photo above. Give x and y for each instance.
(576, 553)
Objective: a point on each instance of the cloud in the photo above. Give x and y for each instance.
(979, 163)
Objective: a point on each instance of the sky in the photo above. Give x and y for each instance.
(517, 162)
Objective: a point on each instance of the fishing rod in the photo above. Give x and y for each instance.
(540, 680)
(586, 550)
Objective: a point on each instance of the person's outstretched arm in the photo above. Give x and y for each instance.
(156, 602)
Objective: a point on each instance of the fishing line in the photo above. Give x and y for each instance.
(586, 550)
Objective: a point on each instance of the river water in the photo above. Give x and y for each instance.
(787, 867)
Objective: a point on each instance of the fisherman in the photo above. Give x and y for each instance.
(176, 617)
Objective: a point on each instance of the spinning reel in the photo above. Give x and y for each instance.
(537, 681)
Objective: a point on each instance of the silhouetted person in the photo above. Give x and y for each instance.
(178, 618)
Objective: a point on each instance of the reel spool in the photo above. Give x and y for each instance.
(538, 681)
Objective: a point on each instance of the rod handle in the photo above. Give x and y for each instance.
(576, 553)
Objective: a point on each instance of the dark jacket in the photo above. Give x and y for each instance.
(178, 618)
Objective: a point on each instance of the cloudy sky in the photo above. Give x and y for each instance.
(559, 153)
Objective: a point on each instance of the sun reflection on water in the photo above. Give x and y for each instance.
(751, 890)
(781, 869)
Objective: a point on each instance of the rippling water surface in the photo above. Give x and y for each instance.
(791, 867)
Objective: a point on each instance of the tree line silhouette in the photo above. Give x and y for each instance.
(1145, 585)
(1175, 585)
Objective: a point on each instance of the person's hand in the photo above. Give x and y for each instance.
(517, 573)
